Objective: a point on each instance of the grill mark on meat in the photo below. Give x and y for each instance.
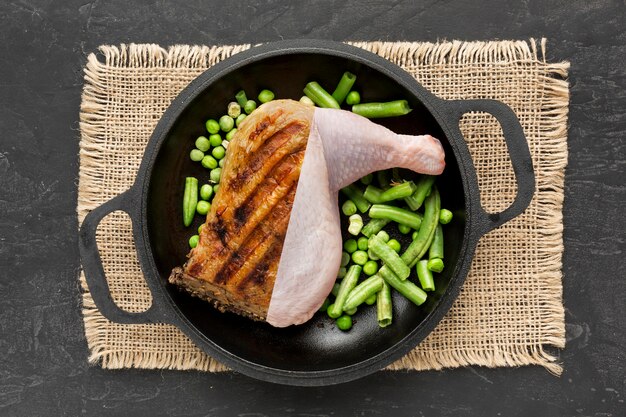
(263, 269)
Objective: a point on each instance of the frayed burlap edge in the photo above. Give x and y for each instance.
(556, 99)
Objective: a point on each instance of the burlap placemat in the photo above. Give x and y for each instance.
(510, 311)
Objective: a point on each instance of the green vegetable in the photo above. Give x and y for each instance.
(394, 244)
(202, 143)
(265, 96)
(435, 264)
(343, 87)
(226, 123)
(371, 300)
(436, 247)
(215, 175)
(190, 200)
(356, 224)
(345, 258)
(389, 257)
(241, 98)
(347, 284)
(374, 226)
(221, 163)
(411, 291)
(200, 228)
(196, 155)
(425, 276)
(414, 235)
(384, 311)
(348, 208)
(335, 289)
(216, 187)
(218, 152)
(307, 101)
(367, 179)
(362, 243)
(206, 191)
(350, 245)
(398, 192)
(234, 109)
(373, 194)
(353, 98)
(422, 190)
(383, 179)
(372, 255)
(324, 305)
(342, 271)
(331, 312)
(445, 216)
(240, 119)
(209, 162)
(229, 135)
(351, 312)
(212, 126)
(363, 291)
(397, 214)
(359, 257)
(419, 246)
(344, 323)
(378, 110)
(315, 92)
(193, 241)
(370, 267)
(203, 207)
(250, 106)
(215, 139)
(354, 194)
(405, 230)
(383, 235)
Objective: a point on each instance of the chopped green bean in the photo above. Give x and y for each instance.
(373, 194)
(193, 241)
(359, 257)
(394, 244)
(307, 101)
(445, 216)
(347, 284)
(370, 267)
(397, 214)
(250, 106)
(411, 291)
(266, 96)
(196, 155)
(389, 257)
(350, 245)
(203, 207)
(331, 312)
(209, 162)
(190, 200)
(384, 310)
(234, 109)
(343, 87)
(383, 235)
(362, 292)
(348, 208)
(212, 126)
(241, 98)
(425, 276)
(353, 98)
(435, 264)
(419, 246)
(206, 192)
(422, 190)
(202, 143)
(436, 247)
(372, 255)
(362, 243)
(215, 139)
(226, 123)
(356, 224)
(398, 192)
(374, 226)
(315, 92)
(378, 110)
(354, 194)
(344, 323)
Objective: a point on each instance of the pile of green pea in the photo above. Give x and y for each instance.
(211, 151)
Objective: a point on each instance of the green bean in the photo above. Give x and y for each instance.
(411, 291)
(196, 155)
(347, 284)
(209, 162)
(371, 300)
(344, 323)
(266, 96)
(374, 226)
(234, 109)
(356, 224)
(348, 208)
(190, 200)
(229, 135)
(362, 292)
(218, 152)
(350, 245)
(405, 230)
(202, 143)
(359, 257)
(445, 216)
(425, 276)
(435, 264)
(367, 180)
(384, 310)
(240, 119)
(354, 194)
(383, 179)
(206, 191)
(353, 98)
(372, 255)
(324, 305)
(398, 192)
(193, 241)
(226, 123)
(241, 98)
(383, 235)
(395, 245)
(343, 87)
(419, 246)
(370, 267)
(203, 207)
(373, 194)
(378, 110)
(422, 190)
(436, 247)
(307, 101)
(362, 243)
(215, 139)
(212, 126)
(315, 92)
(397, 214)
(389, 257)
(250, 106)
(331, 312)
(215, 175)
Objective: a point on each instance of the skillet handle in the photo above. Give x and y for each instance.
(518, 150)
(92, 263)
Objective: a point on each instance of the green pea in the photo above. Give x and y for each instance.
(348, 208)
(203, 143)
(229, 135)
(342, 272)
(212, 126)
(200, 228)
(196, 155)
(345, 258)
(226, 123)
(371, 300)
(394, 244)
(352, 98)
(344, 322)
(370, 268)
(215, 140)
(350, 245)
(206, 191)
(414, 235)
(215, 175)
(239, 119)
(367, 180)
(209, 162)
(404, 229)
(359, 257)
(216, 187)
(250, 106)
(218, 152)
(350, 312)
(193, 241)
(445, 216)
(221, 163)
(325, 305)
(203, 207)
(265, 96)
(362, 243)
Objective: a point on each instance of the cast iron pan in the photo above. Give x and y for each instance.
(316, 353)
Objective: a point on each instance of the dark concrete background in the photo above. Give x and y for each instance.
(43, 366)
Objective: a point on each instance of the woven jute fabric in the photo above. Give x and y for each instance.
(510, 310)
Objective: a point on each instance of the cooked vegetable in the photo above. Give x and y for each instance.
(324, 305)
(398, 191)
(419, 246)
(203, 207)
(354, 194)
(362, 243)
(425, 276)
(371, 300)
(200, 228)
(394, 244)
(265, 96)
(389, 257)
(445, 216)
(250, 106)
(190, 200)
(436, 247)
(374, 226)
(206, 192)
(356, 224)
(343, 87)
(344, 323)
(218, 152)
(215, 139)
(359, 257)
(436, 264)
(216, 187)
(373, 194)
(422, 190)
(241, 98)
(348, 208)
(372, 255)
(350, 245)
(234, 109)
(196, 155)
(342, 271)
(202, 143)
(209, 162)
(353, 98)
(315, 92)
(362, 292)
(331, 312)
(193, 241)
(378, 110)
(215, 175)
(383, 235)
(212, 126)
(345, 258)
(406, 287)
(347, 284)
(226, 123)
(367, 179)
(229, 135)
(384, 310)
(370, 267)
(405, 230)
(397, 214)
(307, 101)
(383, 179)
(240, 119)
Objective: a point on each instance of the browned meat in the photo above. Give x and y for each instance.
(236, 261)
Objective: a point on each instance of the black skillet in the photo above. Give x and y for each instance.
(316, 353)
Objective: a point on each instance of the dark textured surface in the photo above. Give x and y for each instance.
(43, 368)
